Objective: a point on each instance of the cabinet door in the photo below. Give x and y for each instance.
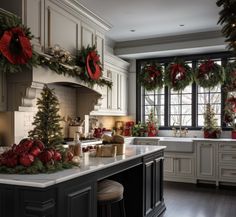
(33, 17)
(184, 167)
(3, 97)
(99, 41)
(123, 93)
(158, 181)
(206, 165)
(76, 200)
(87, 35)
(114, 90)
(149, 187)
(67, 37)
(169, 168)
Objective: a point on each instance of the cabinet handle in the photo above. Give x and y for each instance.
(206, 145)
(233, 174)
(233, 157)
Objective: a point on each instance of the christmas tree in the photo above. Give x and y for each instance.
(47, 120)
(228, 19)
(210, 122)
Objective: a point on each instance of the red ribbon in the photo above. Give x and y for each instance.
(16, 46)
(177, 69)
(92, 66)
(206, 67)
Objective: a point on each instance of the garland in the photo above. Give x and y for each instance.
(151, 76)
(228, 20)
(209, 74)
(230, 77)
(62, 62)
(178, 75)
(15, 47)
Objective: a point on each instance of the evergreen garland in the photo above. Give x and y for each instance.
(228, 20)
(151, 76)
(209, 74)
(47, 120)
(178, 75)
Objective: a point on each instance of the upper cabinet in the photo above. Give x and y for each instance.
(114, 100)
(32, 14)
(63, 22)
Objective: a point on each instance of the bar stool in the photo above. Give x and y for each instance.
(108, 193)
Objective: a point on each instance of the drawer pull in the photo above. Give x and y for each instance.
(234, 174)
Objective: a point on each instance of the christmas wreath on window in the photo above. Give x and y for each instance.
(151, 76)
(15, 46)
(178, 75)
(230, 77)
(209, 74)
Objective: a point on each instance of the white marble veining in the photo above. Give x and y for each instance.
(86, 167)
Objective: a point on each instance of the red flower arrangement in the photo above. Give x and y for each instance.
(209, 74)
(151, 76)
(31, 156)
(178, 75)
(16, 46)
(93, 65)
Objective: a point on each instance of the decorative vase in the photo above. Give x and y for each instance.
(210, 135)
(233, 134)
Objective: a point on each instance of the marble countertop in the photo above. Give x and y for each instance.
(185, 138)
(87, 166)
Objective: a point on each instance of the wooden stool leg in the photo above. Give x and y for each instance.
(122, 208)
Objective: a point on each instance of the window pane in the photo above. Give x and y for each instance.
(149, 100)
(200, 120)
(159, 110)
(174, 109)
(187, 109)
(186, 120)
(148, 109)
(174, 99)
(159, 99)
(187, 99)
(174, 120)
(215, 98)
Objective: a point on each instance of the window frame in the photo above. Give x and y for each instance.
(224, 56)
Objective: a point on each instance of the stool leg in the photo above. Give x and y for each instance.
(108, 210)
(122, 208)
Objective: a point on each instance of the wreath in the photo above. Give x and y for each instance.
(178, 75)
(15, 46)
(151, 76)
(230, 77)
(230, 112)
(209, 74)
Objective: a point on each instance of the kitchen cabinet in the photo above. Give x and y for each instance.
(114, 100)
(227, 162)
(206, 160)
(3, 97)
(179, 167)
(32, 14)
(153, 184)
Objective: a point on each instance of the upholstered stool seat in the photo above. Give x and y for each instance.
(109, 192)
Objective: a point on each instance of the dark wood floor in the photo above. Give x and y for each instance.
(187, 200)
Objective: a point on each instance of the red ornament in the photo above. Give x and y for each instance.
(93, 68)
(57, 156)
(26, 160)
(15, 46)
(35, 151)
(9, 159)
(39, 144)
(46, 156)
(23, 147)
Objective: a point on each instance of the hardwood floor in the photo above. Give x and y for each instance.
(188, 200)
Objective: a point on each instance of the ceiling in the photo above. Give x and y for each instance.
(155, 18)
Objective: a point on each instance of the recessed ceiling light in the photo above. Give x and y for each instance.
(181, 25)
(132, 30)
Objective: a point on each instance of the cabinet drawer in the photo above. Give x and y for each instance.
(227, 173)
(227, 158)
(145, 141)
(227, 147)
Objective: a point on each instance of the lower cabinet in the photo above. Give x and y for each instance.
(153, 186)
(179, 167)
(77, 199)
(206, 160)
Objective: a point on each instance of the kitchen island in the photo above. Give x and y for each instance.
(72, 192)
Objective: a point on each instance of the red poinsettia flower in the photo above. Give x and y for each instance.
(92, 65)
(15, 46)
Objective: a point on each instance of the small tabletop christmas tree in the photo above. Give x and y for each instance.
(152, 124)
(211, 130)
(47, 120)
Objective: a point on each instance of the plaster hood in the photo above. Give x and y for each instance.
(28, 83)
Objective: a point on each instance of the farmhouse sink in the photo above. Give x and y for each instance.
(177, 144)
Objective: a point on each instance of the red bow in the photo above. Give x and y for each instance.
(15, 46)
(93, 69)
(177, 69)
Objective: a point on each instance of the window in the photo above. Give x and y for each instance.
(185, 108)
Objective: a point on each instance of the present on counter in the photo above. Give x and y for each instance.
(128, 128)
(106, 150)
(115, 140)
